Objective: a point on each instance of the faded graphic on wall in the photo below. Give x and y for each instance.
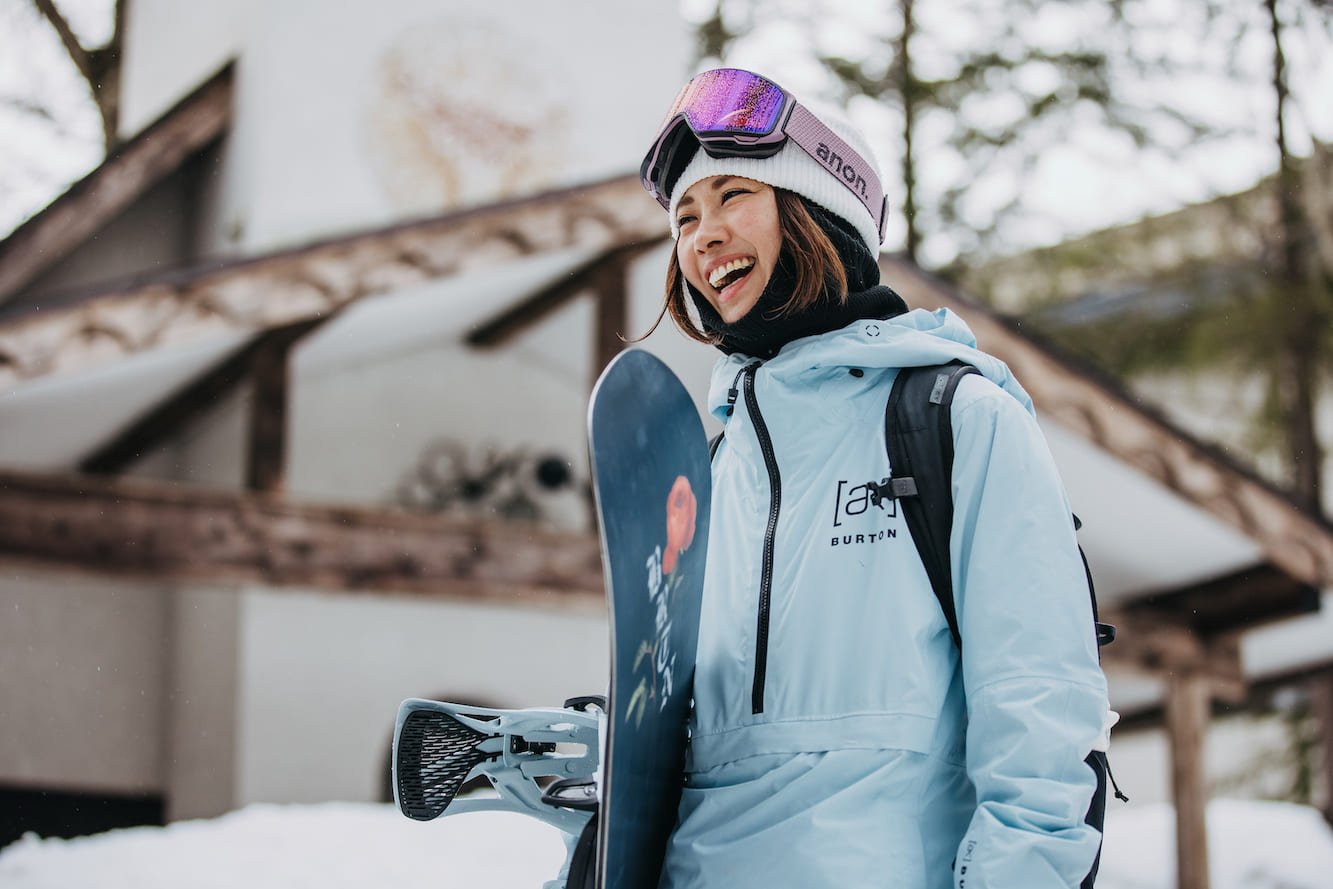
(465, 113)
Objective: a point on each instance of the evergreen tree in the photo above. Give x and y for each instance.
(976, 94)
(1258, 309)
(1305, 291)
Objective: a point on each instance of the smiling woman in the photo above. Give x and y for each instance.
(818, 270)
(838, 736)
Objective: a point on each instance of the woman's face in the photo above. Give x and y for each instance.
(729, 241)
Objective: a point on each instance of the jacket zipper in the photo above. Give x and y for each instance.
(770, 534)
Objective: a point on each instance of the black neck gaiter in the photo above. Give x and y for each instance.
(764, 329)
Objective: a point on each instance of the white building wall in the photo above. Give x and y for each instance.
(353, 118)
(375, 387)
(172, 47)
(322, 676)
(354, 114)
(202, 709)
(83, 683)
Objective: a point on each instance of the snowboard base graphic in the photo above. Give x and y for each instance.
(652, 483)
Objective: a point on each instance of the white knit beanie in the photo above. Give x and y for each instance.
(791, 168)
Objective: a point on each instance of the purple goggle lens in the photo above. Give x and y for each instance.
(729, 111)
(730, 101)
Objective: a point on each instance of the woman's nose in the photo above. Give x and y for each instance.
(710, 231)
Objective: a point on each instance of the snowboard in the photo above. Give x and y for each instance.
(652, 483)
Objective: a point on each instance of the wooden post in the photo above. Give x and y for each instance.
(1188, 703)
(1321, 697)
(270, 374)
(266, 456)
(612, 298)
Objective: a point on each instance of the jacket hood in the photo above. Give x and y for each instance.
(915, 339)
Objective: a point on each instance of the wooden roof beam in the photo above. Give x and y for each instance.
(537, 307)
(101, 196)
(1243, 600)
(163, 531)
(89, 330)
(1161, 647)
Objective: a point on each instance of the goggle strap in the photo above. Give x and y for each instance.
(840, 159)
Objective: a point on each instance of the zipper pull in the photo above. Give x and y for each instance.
(734, 392)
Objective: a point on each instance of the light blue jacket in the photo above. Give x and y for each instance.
(839, 739)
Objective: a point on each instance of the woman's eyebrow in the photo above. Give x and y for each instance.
(716, 184)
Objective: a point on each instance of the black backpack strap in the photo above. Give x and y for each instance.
(714, 443)
(918, 434)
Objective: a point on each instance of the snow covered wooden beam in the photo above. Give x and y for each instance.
(1292, 539)
(318, 280)
(143, 528)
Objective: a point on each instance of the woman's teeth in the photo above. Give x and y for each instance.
(730, 272)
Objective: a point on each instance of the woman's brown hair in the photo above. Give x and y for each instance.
(817, 268)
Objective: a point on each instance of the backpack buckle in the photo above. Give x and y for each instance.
(891, 489)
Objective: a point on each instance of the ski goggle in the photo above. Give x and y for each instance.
(729, 112)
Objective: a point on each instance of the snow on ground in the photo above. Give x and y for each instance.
(329, 846)
(1254, 845)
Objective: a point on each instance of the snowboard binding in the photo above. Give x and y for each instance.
(438, 747)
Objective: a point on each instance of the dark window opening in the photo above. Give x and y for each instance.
(64, 813)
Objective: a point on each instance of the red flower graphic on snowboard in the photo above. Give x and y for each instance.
(681, 507)
(681, 510)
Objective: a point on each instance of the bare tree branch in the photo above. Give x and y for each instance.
(29, 108)
(68, 38)
(100, 67)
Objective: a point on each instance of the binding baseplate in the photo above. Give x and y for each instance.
(439, 746)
